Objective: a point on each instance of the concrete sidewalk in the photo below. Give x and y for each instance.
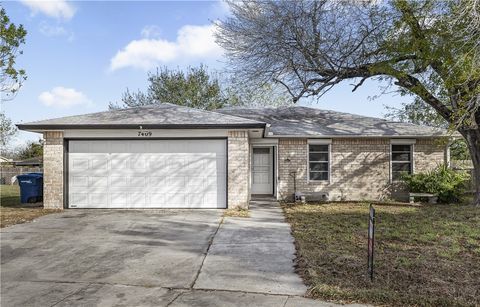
(253, 254)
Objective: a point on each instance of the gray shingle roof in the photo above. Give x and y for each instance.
(155, 116)
(304, 121)
(284, 121)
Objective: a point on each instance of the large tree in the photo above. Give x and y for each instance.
(426, 48)
(11, 38)
(11, 77)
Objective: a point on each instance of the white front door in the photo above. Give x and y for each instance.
(147, 174)
(262, 170)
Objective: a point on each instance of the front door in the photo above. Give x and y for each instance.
(262, 170)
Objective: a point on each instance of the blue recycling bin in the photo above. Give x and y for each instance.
(31, 187)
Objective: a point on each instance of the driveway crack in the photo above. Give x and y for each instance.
(210, 242)
(174, 299)
(71, 294)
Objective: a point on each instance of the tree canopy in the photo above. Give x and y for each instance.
(196, 87)
(30, 150)
(11, 38)
(427, 48)
(7, 130)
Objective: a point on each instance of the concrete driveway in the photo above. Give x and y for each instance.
(151, 258)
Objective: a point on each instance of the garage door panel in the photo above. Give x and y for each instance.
(157, 200)
(137, 200)
(175, 184)
(156, 182)
(79, 164)
(156, 162)
(147, 174)
(79, 199)
(118, 163)
(176, 200)
(79, 181)
(98, 199)
(118, 182)
(99, 164)
(98, 181)
(118, 199)
(137, 181)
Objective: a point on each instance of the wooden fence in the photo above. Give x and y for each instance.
(8, 172)
(465, 166)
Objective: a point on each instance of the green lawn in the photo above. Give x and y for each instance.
(13, 212)
(425, 256)
(10, 195)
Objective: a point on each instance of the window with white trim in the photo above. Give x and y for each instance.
(401, 160)
(319, 162)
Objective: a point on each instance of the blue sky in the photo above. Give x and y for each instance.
(79, 56)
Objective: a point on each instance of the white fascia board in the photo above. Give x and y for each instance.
(147, 133)
(403, 141)
(320, 141)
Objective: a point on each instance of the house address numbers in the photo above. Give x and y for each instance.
(144, 133)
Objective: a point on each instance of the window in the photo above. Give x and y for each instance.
(401, 160)
(318, 160)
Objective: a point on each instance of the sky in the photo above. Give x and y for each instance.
(80, 56)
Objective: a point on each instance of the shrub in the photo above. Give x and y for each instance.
(448, 184)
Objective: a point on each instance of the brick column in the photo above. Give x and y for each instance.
(238, 169)
(53, 170)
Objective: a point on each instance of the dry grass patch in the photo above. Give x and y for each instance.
(12, 216)
(425, 256)
(13, 212)
(236, 213)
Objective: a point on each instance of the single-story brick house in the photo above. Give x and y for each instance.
(168, 156)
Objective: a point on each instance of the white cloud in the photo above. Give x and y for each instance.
(151, 31)
(192, 43)
(59, 9)
(63, 97)
(52, 31)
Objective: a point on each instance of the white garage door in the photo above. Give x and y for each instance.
(147, 174)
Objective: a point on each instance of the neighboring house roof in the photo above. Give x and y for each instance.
(5, 160)
(303, 121)
(29, 162)
(163, 116)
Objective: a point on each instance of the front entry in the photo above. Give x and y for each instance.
(262, 170)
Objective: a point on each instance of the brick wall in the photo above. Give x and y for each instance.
(53, 170)
(429, 154)
(360, 168)
(238, 169)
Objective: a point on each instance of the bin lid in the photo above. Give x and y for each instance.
(30, 175)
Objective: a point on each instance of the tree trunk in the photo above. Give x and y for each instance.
(472, 137)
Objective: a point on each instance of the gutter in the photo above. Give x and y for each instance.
(398, 136)
(40, 127)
